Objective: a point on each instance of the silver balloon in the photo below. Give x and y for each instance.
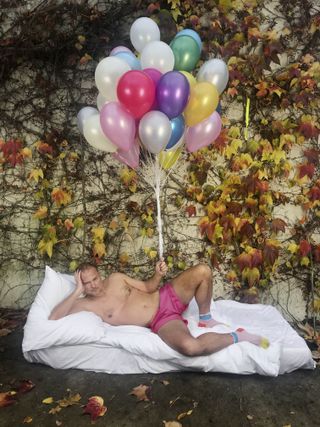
(95, 137)
(143, 31)
(155, 131)
(214, 71)
(84, 114)
(107, 75)
(101, 100)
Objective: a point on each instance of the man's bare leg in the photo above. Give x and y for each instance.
(176, 334)
(196, 282)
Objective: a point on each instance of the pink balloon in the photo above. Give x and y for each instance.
(203, 133)
(130, 157)
(156, 76)
(118, 125)
(136, 91)
(118, 49)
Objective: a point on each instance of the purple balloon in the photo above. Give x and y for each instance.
(118, 125)
(203, 133)
(173, 93)
(156, 76)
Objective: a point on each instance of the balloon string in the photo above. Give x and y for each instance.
(157, 172)
(247, 118)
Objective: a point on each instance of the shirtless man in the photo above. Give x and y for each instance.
(121, 300)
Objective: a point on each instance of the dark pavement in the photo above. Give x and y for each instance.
(215, 399)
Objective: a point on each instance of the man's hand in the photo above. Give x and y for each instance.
(161, 267)
(79, 284)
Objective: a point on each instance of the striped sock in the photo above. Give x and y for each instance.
(241, 335)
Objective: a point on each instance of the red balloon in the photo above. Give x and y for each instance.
(136, 92)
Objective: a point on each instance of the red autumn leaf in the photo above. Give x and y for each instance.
(314, 194)
(234, 208)
(261, 222)
(247, 231)
(308, 130)
(243, 260)
(312, 155)
(25, 386)
(11, 151)
(221, 142)
(316, 253)
(270, 253)
(95, 407)
(214, 261)
(278, 225)
(8, 398)
(210, 230)
(141, 392)
(191, 210)
(256, 257)
(306, 169)
(304, 247)
(44, 148)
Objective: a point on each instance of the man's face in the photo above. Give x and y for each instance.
(92, 282)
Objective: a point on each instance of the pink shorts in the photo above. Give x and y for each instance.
(170, 308)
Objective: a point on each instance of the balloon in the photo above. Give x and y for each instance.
(214, 71)
(118, 49)
(191, 33)
(173, 93)
(93, 134)
(180, 142)
(204, 133)
(177, 126)
(130, 59)
(155, 75)
(107, 74)
(136, 92)
(154, 131)
(143, 31)
(203, 101)
(101, 100)
(157, 55)
(168, 158)
(118, 125)
(84, 114)
(186, 53)
(130, 157)
(191, 79)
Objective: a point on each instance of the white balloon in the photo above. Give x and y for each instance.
(214, 71)
(101, 100)
(95, 137)
(84, 114)
(107, 74)
(157, 55)
(155, 131)
(143, 31)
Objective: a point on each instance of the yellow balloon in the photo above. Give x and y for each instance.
(191, 79)
(203, 101)
(168, 158)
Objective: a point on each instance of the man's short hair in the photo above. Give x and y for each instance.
(86, 266)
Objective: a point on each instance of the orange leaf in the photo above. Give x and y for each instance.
(8, 398)
(278, 225)
(141, 392)
(243, 260)
(60, 197)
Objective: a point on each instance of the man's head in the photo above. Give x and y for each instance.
(91, 279)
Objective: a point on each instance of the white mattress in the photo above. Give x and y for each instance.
(83, 341)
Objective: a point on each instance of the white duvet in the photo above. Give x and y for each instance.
(83, 341)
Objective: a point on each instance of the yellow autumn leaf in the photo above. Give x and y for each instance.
(113, 225)
(60, 197)
(233, 148)
(48, 400)
(35, 174)
(78, 222)
(46, 247)
(316, 305)
(263, 174)
(42, 212)
(278, 155)
(293, 248)
(305, 261)
(99, 249)
(98, 233)
(26, 152)
(152, 254)
(124, 258)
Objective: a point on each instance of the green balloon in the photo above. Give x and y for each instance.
(186, 53)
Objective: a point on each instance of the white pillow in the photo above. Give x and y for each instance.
(77, 328)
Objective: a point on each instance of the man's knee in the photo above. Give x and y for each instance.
(204, 271)
(190, 347)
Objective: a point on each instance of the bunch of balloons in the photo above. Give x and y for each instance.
(153, 99)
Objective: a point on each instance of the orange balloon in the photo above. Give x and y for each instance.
(203, 101)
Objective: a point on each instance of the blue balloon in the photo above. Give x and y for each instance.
(219, 108)
(177, 126)
(130, 59)
(191, 33)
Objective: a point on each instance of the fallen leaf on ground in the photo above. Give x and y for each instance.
(69, 400)
(58, 423)
(48, 400)
(184, 414)
(55, 410)
(25, 386)
(250, 417)
(141, 392)
(172, 424)
(8, 398)
(95, 407)
(165, 382)
(27, 420)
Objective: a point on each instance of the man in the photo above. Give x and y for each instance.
(122, 300)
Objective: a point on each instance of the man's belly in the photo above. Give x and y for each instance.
(138, 310)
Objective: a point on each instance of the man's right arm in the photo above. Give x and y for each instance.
(67, 305)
